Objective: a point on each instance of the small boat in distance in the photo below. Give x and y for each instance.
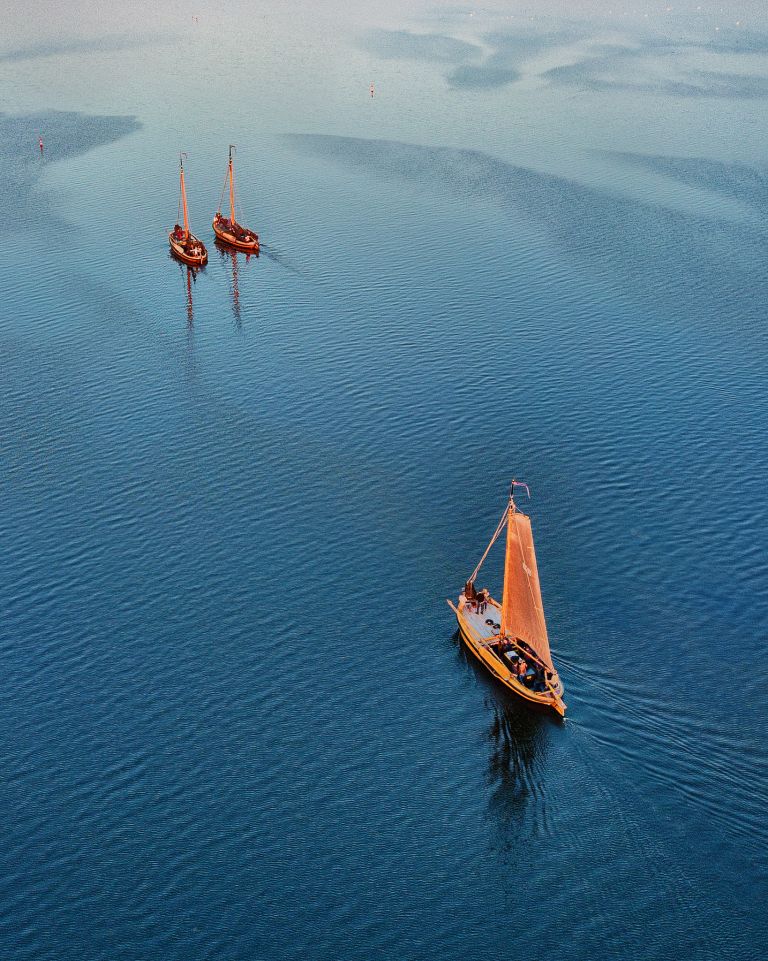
(510, 639)
(227, 229)
(184, 245)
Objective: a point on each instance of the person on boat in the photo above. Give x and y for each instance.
(178, 232)
(529, 675)
(482, 600)
(469, 592)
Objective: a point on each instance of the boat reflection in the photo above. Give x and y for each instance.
(189, 280)
(518, 740)
(227, 253)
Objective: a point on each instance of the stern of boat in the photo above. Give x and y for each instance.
(480, 634)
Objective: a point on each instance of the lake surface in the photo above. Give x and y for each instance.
(236, 722)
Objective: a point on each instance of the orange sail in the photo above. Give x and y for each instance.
(522, 610)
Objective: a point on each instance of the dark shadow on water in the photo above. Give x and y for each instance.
(619, 68)
(471, 69)
(736, 180)
(429, 47)
(65, 134)
(604, 67)
(738, 41)
(482, 76)
(704, 259)
(75, 46)
(510, 50)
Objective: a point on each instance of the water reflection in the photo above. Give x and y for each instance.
(189, 280)
(227, 253)
(518, 739)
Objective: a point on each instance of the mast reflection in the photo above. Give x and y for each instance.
(228, 253)
(191, 278)
(188, 279)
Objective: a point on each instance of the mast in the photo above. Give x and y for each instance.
(507, 601)
(183, 194)
(231, 186)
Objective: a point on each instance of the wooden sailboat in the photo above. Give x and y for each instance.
(227, 229)
(510, 639)
(184, 245)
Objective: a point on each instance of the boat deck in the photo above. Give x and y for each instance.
(481, 638)
(477, 622)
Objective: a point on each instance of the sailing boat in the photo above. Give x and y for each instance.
(227, 229)
(184, 244)
(510, 639)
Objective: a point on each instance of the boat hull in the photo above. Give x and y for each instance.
(179, 251)
(502, 674)
(225, 237)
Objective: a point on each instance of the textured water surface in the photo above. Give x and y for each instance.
(235, 719)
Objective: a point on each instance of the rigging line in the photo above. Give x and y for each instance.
(527, 654)
(495, 537)
(221, 198)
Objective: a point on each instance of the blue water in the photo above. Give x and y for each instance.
(235, 718)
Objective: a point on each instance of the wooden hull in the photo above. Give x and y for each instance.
(225, 237)
(179, 250)
(503, 675)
